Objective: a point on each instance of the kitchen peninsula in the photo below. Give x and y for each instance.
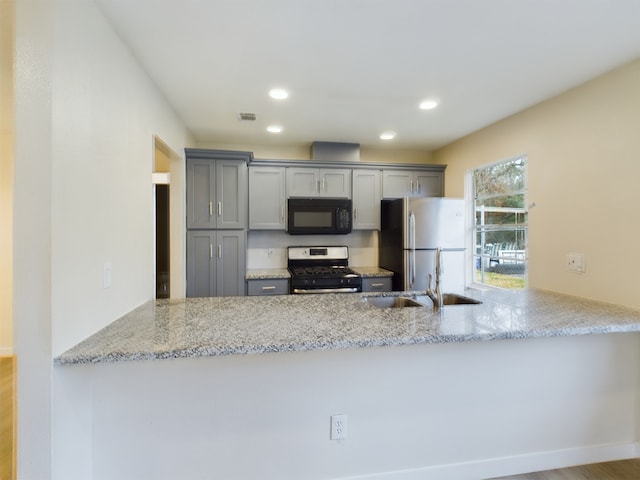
(523, 381)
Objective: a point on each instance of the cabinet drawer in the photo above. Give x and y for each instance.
(376, 284)
(278, 286)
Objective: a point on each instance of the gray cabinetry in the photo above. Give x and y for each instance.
(318, 182)
(215, 263)
(267, 198)
(216, 222)
(216, 193)
(366, 199)
(279, 286)
(408, 183)
(376, 284)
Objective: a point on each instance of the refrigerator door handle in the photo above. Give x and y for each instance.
(412, 231)
(412, 269)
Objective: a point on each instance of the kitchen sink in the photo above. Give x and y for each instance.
(448, 299)
(392, 302)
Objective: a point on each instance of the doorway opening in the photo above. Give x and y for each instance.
(162, 241)
(168, 242)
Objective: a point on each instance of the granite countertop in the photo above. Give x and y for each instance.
(195, 327)
(266, 273)
(372, 272)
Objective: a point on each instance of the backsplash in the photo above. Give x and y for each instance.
(268, 249)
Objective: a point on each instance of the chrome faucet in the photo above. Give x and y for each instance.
(436, 295)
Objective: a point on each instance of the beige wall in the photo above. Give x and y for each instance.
(6, 174)
(584, 166)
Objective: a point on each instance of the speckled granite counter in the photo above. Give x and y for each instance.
(372, 272)
(266, 273)
(241, 325)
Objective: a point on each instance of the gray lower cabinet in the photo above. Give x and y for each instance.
(274, 286)
(216, 263)
(376, 284)
(267, 200)
(408, 183)
(366, 196)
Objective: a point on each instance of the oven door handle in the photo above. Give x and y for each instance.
(326, 290)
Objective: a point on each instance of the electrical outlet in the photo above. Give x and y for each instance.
(575, 262)
(338, 427)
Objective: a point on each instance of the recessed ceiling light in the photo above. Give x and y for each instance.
(387, 135)
(274, 128)
(428, 104)
(278, 93)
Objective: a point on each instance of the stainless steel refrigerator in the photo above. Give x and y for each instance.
(411, 230)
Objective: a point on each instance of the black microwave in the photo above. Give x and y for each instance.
(319, 216)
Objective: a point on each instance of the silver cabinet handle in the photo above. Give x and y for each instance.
(324, 185)
(219, 251)
(210, 208)
(377, 284)
(282, 214)
(270, 287)
(211, 250)
(219, 208)
(355, 215)
(418, 188)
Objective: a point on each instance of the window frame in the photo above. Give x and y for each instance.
(472, 231)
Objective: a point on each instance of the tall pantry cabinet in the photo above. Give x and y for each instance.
(216, 222)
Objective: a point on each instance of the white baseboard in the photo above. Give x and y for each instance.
(502, 466)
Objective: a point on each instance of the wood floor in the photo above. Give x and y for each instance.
(7, 418)
(621, 470)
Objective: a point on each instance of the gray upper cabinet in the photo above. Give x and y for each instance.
(267, 199)
(318, 182)
(216, 193)
(201, 193)
(429, 184)
(408, 183)
(366, 199)
(215, 263)
(231, 190)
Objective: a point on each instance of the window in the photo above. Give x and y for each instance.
(500, 223)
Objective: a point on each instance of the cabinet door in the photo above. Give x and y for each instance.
(201, 263)
(429, 184)
(201, 184)
(335, 182)
(231, 203)
(366, 200)
(397, 183)
(231, 264)
(302, 182)
(267, 198)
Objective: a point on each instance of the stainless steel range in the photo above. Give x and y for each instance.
(322, 270)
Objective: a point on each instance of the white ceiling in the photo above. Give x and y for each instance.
(357, 67)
